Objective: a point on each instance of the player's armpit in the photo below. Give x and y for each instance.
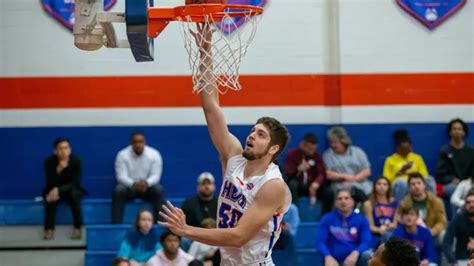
(269, 201)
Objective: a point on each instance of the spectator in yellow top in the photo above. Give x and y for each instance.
(403, 162)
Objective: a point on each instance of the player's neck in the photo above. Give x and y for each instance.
(255, 167)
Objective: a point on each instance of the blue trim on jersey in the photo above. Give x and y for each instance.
(272, 238)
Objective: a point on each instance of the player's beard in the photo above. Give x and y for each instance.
(249, 155)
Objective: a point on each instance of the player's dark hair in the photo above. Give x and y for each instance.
(399, 252)
(278, 133)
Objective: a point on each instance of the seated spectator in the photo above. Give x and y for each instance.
(200, 251)
(204, 204)
(344, 236)
(171, 254)
(140, 243)
(431, 208)
(403, 162)
(462, 189)
(304, 169)
(396, 251)
(290, 223)
(455, 160)
(416, 235)
(63, 183)
(461, 228)
(346, 164)
(381, 210)
(138, 170)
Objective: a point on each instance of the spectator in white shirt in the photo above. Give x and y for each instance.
(138, 170)
(171, 254)
(462, 189)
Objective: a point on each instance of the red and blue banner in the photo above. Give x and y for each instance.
(63, 10)
(431, 12)
(230, 26)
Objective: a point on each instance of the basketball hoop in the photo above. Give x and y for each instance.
(230, 39)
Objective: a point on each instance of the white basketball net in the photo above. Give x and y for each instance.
(227, 51)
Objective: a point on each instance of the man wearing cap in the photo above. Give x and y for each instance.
(204, 204)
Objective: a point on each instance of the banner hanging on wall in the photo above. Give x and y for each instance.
(431, 12)
(63, 10)
(230, 26)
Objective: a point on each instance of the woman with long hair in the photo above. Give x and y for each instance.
(381, 211)
(140, 243)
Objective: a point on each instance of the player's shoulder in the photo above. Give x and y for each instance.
(273, 171)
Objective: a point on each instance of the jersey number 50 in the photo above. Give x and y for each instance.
(228, 217)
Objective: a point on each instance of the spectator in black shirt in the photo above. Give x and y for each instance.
(204, 204)
(63, 183)
(461, 228)
(455, 160)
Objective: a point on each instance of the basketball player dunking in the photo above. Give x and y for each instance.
(253, 196)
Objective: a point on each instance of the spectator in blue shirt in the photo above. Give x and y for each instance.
(381, 210)
(140, 243)
(416, 235)
(344, 236)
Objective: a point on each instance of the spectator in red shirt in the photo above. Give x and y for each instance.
(304, 169)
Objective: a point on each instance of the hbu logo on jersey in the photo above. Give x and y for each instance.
(63, 10)
(231, 24)
(431, 12)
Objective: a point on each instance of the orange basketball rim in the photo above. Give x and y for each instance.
(159, 17)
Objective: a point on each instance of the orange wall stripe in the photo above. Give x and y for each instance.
(258, 90)
(387, 89)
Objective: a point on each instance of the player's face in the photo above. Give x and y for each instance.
(63, 150)
(376, 258)
(258, 143)
(145, 222)
(138, 144)
(410, 218)
(417, 187)
(206, 188)
(171, 244)
(344, 202)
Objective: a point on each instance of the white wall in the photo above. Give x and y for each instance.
(374, 36)
(378, 36)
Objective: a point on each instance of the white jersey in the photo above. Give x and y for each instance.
(235, 197)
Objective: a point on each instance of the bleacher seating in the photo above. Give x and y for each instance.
(95, 211)
(103, 242)
(103, 238)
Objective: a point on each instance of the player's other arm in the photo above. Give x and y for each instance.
(268, 202)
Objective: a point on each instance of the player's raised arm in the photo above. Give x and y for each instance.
(226, 144)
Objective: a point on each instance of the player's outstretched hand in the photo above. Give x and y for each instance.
(175, 220)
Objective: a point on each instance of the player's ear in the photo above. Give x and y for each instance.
(274, 149)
